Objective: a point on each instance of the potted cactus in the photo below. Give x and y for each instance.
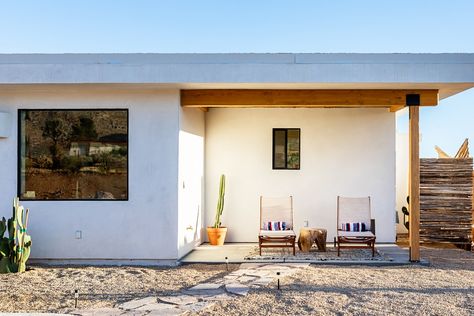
(15, 249)
(216, 233)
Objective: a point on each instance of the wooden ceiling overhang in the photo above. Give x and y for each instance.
(392, 99)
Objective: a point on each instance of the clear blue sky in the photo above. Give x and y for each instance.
(382, 26)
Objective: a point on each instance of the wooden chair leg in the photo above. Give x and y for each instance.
(338, 248)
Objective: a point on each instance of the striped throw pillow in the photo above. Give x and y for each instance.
(354, 227)
(274, 225)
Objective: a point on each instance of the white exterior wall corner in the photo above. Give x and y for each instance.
(190, 179)
(138, 229)
(347, 152)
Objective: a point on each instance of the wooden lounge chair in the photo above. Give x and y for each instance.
(276, 210)
(355, 210)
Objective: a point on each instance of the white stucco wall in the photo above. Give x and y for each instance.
(142, 227)
(402, 177)
(191, 179)
(349, 152)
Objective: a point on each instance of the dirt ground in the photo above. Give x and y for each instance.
(446, 287)
(63, 186)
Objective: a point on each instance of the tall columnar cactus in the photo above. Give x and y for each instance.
(220, 202)
(15, 250)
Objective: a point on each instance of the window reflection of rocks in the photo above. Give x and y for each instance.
(73, 154)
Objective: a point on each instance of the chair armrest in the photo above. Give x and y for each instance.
(372, 226)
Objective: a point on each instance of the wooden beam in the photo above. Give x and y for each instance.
(441, 153)
(395, 108)
(414, 183)
(304, 98)
(463, 151)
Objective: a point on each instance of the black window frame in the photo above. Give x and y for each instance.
(274, 130)
(19, 138)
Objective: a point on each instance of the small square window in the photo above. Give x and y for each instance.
(286, 148)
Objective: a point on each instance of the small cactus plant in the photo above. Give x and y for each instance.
(220, 202)
(15, 250)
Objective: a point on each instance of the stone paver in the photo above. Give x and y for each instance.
(219, 297)
(138, 303)
(246, 279)
(263, 281)
(33, 314)
(98, 311)
(199, 306)
(259, 273)
(205, 295)
(166, 312)
(178, 299)
(237, 288)
(131, 313)
(156, 307)
(204, 289)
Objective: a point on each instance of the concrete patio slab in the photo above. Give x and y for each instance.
(205, 253)
(236, 252)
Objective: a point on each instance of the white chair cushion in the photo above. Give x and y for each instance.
(355, 234)
(276, 233)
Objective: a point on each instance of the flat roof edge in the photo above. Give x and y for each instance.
(239, 58)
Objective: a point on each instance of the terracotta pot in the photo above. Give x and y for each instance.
(216, 235)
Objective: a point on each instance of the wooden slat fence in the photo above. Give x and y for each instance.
(446, 200)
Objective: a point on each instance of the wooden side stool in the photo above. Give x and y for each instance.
(308, 236)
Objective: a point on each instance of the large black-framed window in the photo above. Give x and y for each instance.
(286, 148)
(73, 154)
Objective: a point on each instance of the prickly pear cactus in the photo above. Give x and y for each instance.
(15, 250)
(4, 247)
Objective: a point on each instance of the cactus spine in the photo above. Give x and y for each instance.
(15, 250)
(220, 202)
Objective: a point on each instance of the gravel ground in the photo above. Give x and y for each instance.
(51, 289)
(444, 288)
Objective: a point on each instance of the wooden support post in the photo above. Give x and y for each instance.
(414, 183)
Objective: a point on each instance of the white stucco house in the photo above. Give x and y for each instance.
(192, 117)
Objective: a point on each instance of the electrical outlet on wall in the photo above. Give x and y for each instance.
(78, 234)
